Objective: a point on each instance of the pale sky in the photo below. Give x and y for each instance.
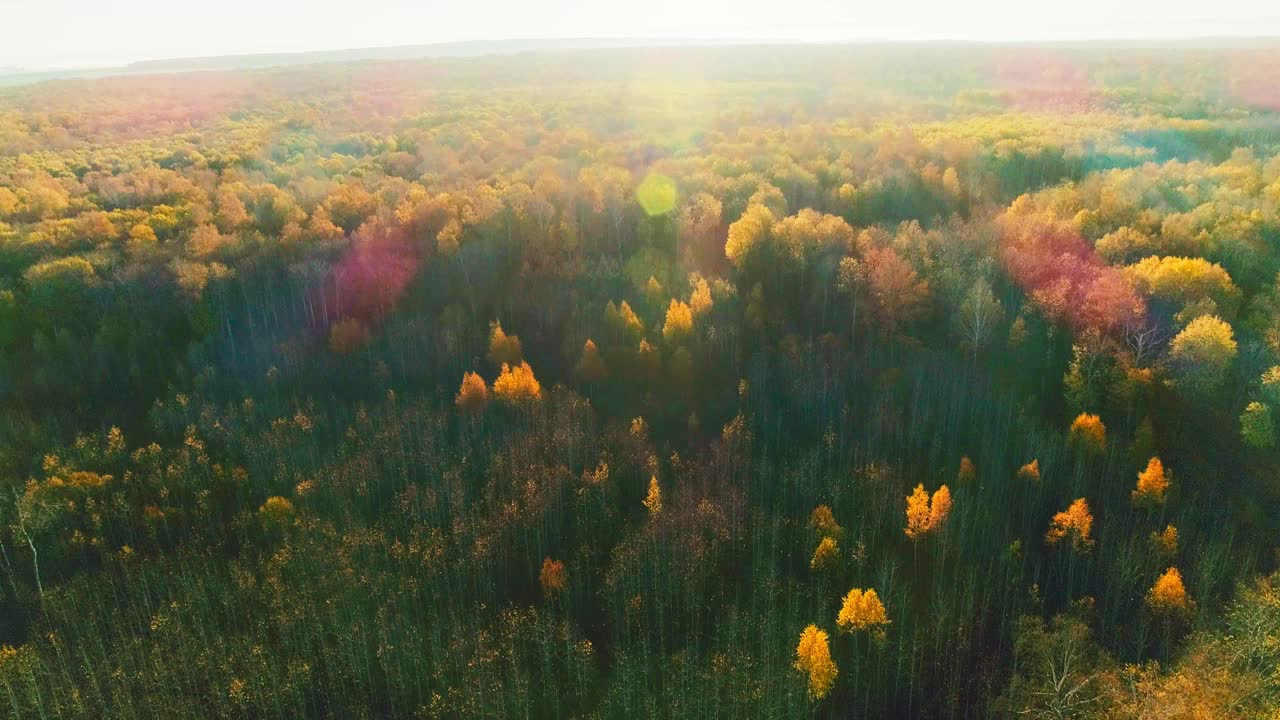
(77, 33)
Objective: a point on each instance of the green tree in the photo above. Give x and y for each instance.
(1256, 425)
(1201, 355)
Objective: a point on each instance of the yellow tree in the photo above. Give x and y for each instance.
(1165, 543)
(1202, 353)
(653, 500)
(231, 214)
(1168, 596)
(1123, 244)
(1030, 471)
(917, 513)
(447, 239)
(1152, 484)
(700, 301)
(653, 293)
(206, 241)
(825, 555)
(1088, 432)
(862, 610)
(968, 471)
(1271, 382)
(1182, 280)
(473, 394)
(939, 508)
(1075, 525)
(747, 235)
(553, 578)
(813, 656)
(925, 515)
(142, 236)
(623, 320)
(350, 204)
(320, 226)
(517, 386)
(276, 512)
(8, 202)
(679, 322)
(822, 520)
(809, 233)
(504, 349)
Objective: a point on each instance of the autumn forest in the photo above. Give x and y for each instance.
(931, 381)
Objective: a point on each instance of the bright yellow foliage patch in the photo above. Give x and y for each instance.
(1089, 432)
(1168, 596)
(917, 512)
(473, 394)
(1075, 525)
(1152, 484)
(925, 515)
(862, 610)
(939, 508)
(653, 500)
(747, 233)
(517, 386)
(679, 322)
(813, 656)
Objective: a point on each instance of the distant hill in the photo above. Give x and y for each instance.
(478, 48)
(475, 48)
(19, 76)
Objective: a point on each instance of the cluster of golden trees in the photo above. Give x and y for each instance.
(927, 514)
(860, 611)
(515, 386)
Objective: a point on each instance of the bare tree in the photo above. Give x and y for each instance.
(35, 556)
(979, 312)
(1144, 341)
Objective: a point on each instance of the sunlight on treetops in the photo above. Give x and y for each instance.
(656, 194)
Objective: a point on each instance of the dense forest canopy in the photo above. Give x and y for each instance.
(929, 381)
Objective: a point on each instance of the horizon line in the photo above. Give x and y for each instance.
(630, 42)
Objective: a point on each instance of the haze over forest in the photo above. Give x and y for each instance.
(645, 377)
